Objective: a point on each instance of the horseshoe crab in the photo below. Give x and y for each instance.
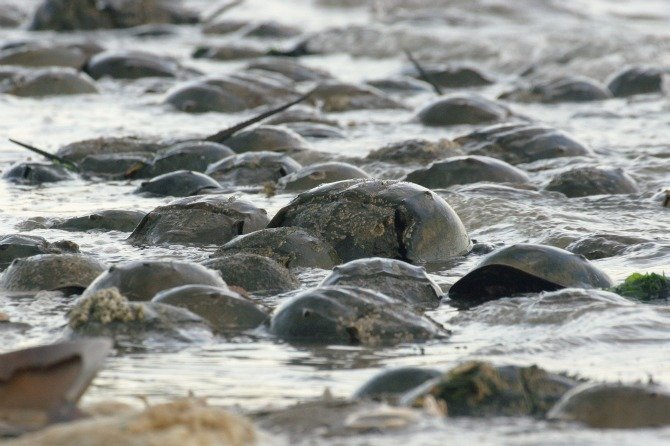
(252, 168)
(390, 384)
(394, 278)
(71, 15)
(564, 89)
(414, 151)
(130, 65)
(71, 273)
(180, 183)
(105, 220)
(224, 309)
(615, 406)
(206, 220)
(375, 218)
(37, 173)
(190, 155)
(316, 174)
(254, 273)
(521, 143)
(592, 180)
(142, 280)
(17, 246)
(267, 138)
(42, 385)
(108, 313)
(350, 316)
(50, 82)
(291, 69)
(635, 80)
(290, 246)
(465, 170)
(479, 389)
(335, 96)
(526, 268)
(79, 150)
(462, 108)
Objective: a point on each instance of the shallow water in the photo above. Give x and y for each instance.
(594, 335)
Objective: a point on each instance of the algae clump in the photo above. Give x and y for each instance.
(644, 287)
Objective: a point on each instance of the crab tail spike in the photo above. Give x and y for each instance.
(230, 131)
(423, 73)
(50, 156)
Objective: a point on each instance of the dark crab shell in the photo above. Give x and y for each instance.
(526, 268)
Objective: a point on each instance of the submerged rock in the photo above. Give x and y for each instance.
(465, 170)
(373, 218)
(180, 183)
(479, 389)
(70, 273)
(526, 268)
(461, 108)
(521, 143)
(72, 15)
(592, 180)
(350, 316)
(226, 310)
(17, 246)
(289, 246)
(254, 273)
(37, 173)
(394, 278)
(636, 80)
(207, 220)
(142, 280)
(615, 406)
(252, 168)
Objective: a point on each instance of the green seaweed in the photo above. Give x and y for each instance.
(645, 287)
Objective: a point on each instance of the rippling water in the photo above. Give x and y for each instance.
(596, 335)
